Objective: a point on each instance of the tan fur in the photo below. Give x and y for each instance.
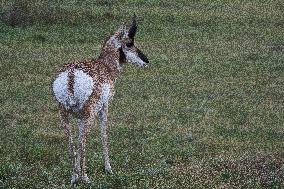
(103, 72)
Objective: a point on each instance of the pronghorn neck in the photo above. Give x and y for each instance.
(111, 59)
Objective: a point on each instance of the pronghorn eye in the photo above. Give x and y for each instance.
(129, 44)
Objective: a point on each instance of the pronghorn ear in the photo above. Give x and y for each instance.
(120, 32)
(133, 28)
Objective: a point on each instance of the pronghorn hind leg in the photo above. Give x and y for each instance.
(65, 124)
(84, 124)
(103, 113)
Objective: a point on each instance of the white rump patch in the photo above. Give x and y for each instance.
(104, 98)
(60, 88)
(83, 88)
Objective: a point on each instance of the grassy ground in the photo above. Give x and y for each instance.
(207, 113)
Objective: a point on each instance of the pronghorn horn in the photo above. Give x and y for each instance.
(133, 28)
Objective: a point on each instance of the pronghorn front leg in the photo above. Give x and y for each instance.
(65, 124)
(103, 125)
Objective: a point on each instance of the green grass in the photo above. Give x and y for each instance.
(207, 113)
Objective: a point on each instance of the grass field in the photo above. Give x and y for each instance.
(207, 113)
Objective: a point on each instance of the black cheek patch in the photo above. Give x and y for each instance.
(142, 56)
(130, 44)
(122, 57)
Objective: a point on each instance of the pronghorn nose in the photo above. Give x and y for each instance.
(142, 56)
(145, 59)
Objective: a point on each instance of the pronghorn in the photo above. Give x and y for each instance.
(85, 88)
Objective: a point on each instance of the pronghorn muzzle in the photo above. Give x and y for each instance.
(142, 56)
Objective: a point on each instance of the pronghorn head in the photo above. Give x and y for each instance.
(123, 41)
(132, 54)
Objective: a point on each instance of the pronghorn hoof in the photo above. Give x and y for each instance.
(86, 179)
(109, 171)
(74, 179)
